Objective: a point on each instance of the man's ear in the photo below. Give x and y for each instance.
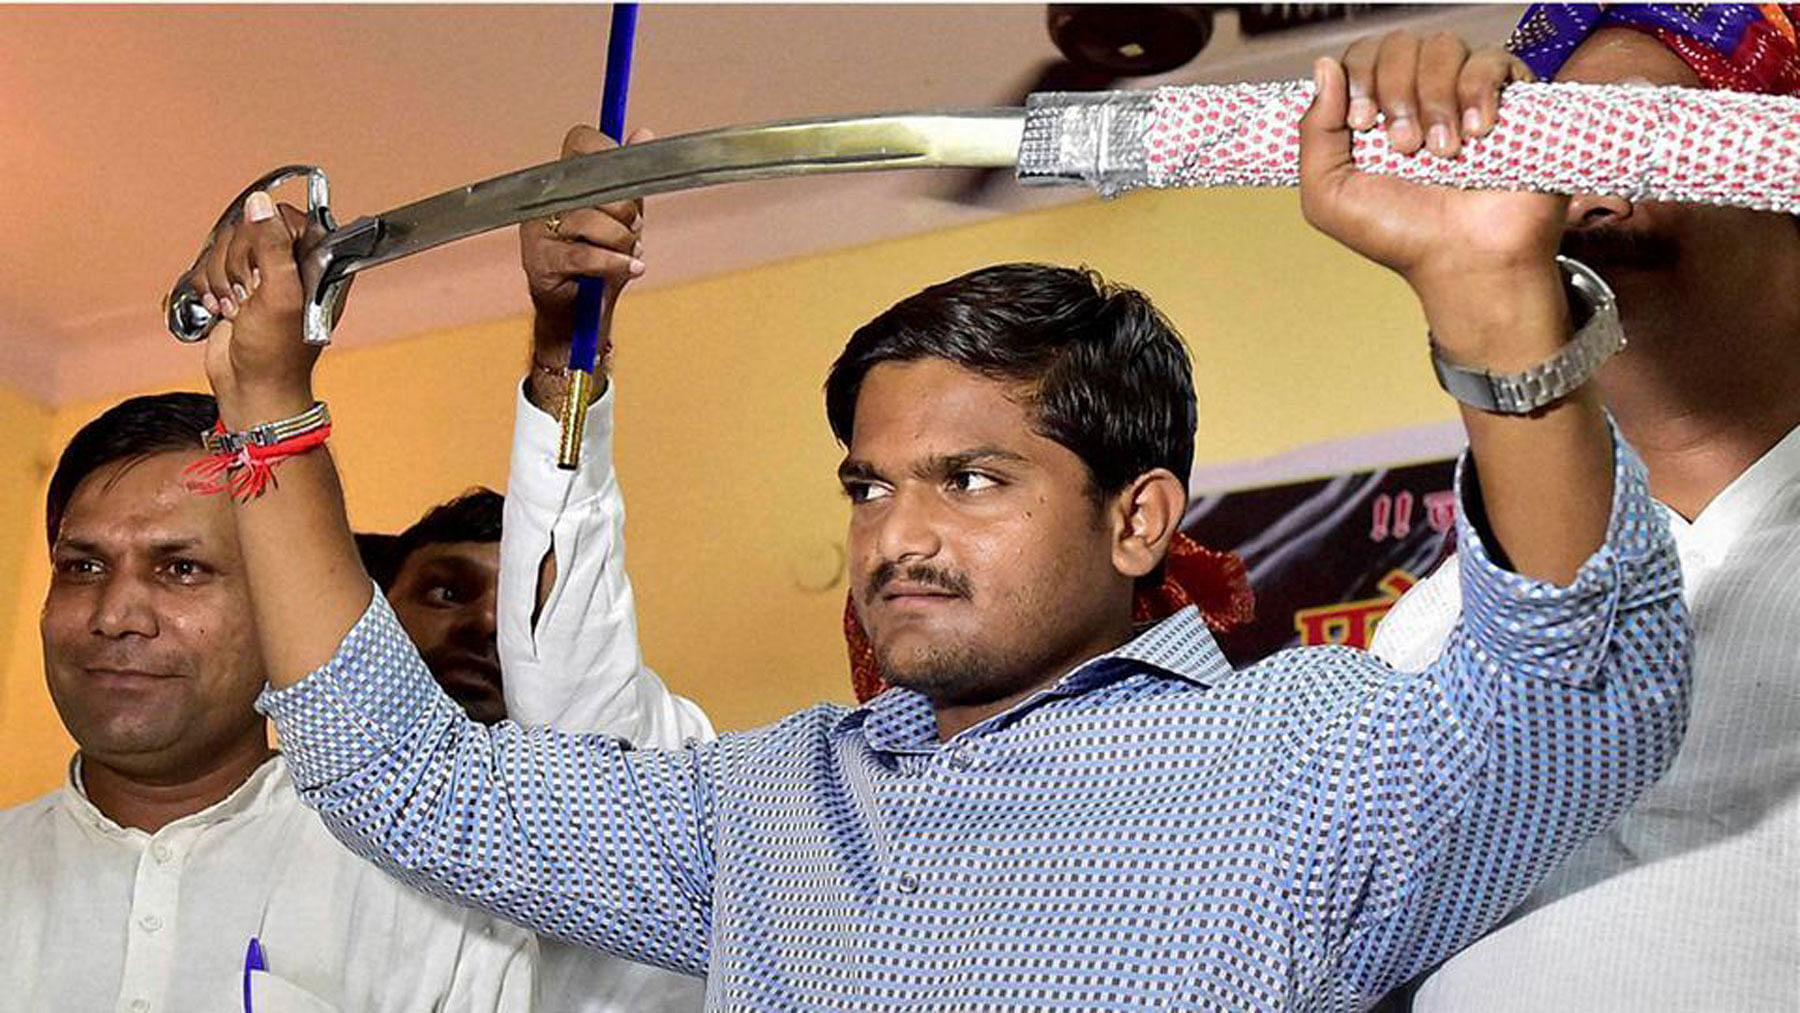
(1146, 516)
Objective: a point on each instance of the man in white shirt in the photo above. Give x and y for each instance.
(1692, 900)
(140, 884)
(178, 839)
(540, 626)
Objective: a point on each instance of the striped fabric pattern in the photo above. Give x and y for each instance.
(1154, 831)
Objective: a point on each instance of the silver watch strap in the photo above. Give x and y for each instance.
(1521, 393)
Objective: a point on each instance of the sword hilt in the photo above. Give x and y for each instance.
(319, 250)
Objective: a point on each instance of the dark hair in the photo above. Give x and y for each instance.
(1111, 378)
(134, 428)
(472, 517)
(377, 552)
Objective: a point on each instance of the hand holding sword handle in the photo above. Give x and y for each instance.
(189, 319)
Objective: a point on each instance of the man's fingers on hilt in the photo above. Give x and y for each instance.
(1359, 69)
(1397, 92)
(1325, 141)
(270, 233)
(1441, 60)
(1478, 88)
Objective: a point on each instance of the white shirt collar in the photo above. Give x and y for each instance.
(251, 797)
(1711, 534)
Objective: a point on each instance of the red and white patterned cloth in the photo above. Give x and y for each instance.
(1637, 142)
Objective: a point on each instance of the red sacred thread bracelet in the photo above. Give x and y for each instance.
(248, 470)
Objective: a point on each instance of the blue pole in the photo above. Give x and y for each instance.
(590, 297)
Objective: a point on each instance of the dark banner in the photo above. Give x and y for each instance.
(1327, 557)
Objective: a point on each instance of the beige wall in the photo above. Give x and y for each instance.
(726, 461)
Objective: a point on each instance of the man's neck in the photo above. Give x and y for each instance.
(149, 803)
(1701, 409)
(954, 719)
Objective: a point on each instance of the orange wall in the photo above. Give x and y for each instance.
(727, 465)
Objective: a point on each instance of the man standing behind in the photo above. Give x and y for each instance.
(1691, 901)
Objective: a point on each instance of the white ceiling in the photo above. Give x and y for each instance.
(124, 129)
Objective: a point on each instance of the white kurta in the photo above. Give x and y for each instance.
(581, 668)
(1692, 900)
(95, 916)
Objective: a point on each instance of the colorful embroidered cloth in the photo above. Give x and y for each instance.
(1732, 47)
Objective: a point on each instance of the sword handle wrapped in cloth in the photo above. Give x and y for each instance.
(1641, 143)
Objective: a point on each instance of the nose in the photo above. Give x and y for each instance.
(123, 608)
(908, 529)
(476, 623)
(1589, 211)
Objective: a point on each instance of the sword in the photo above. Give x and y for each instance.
(330, 255)
(1677, 144)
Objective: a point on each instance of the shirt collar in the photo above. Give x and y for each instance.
(1180, 647)
(251, 797)
(1738, 506)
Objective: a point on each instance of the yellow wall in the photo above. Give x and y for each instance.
(723, 451)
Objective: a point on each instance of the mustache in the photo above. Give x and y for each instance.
(1605, 247)
(938, 578)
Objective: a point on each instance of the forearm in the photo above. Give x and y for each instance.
(1545, 478)
(1552, 709)
(547, 375)
(572, 834)
(307, 584)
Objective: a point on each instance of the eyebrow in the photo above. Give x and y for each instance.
(853, 470)
(165, 547)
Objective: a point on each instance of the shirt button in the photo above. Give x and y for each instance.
(140, 1005)
(161, 853)
(909, 883)
(150, 923)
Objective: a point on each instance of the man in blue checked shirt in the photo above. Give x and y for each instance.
(1052, 809)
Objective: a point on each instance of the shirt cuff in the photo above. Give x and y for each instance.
(533, 475)
(1564, 630)
(345, 715)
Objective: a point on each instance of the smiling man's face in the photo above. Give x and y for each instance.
(150, 650)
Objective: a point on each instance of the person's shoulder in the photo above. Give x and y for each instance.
(28, 816)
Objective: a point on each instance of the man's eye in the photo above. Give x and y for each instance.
(187, 571)
(82, 567)
(972, 481)
(443, 594)
(864, 492)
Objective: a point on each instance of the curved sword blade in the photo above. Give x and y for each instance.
(976, 139)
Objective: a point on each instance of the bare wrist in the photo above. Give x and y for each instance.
(1502, 322)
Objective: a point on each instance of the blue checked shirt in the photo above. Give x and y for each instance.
(1154, 831)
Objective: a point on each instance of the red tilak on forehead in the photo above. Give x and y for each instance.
(1216, 582)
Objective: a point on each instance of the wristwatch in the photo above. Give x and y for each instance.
(1598, 335)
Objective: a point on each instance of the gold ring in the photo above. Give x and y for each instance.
(554, 224)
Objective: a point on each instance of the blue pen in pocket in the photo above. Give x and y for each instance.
(253, 961)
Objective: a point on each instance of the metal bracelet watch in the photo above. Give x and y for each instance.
(1596, 338)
